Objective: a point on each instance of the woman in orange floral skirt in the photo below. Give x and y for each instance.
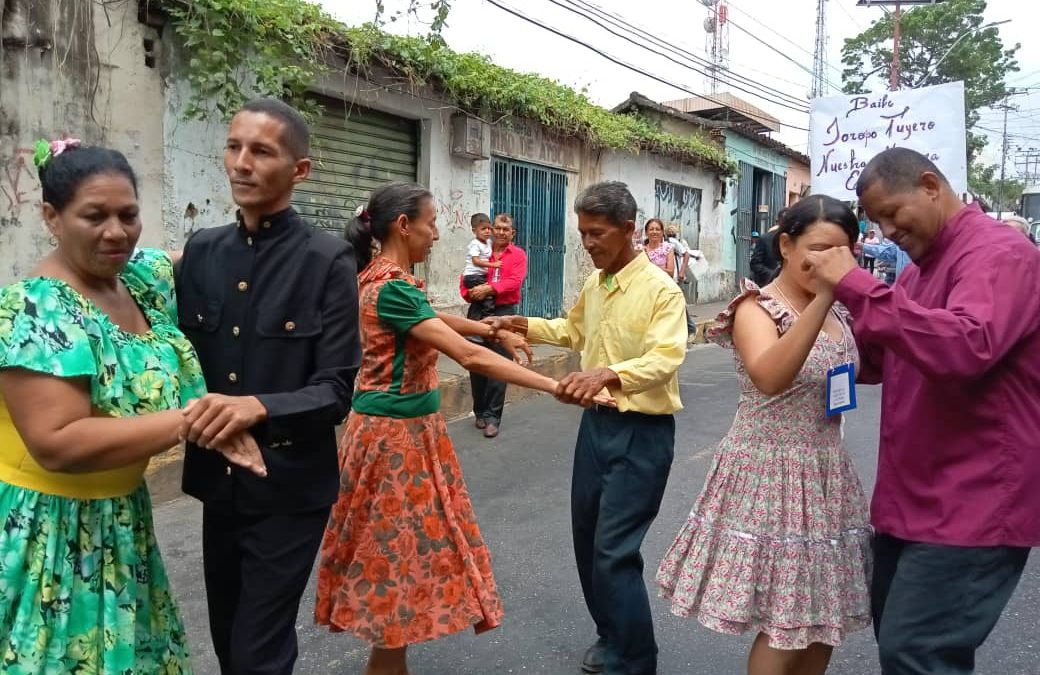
(403, 560)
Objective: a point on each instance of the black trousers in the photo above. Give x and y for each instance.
(489, 396)
(256, 570)
(621, 466)
(485, 307)
(935, 605)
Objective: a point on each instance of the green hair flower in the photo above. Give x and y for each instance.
(43, 156)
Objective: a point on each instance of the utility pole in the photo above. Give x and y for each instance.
(819, 87)
(897, 36)
(1006, 107)
(897, 33)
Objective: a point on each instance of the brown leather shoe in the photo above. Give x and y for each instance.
(491, 430)
(481, 423)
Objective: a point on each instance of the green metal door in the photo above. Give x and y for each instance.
(355, 151)
(536, 197)
(745, 222)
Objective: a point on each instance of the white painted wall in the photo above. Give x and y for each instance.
(641, 172)
(82, 74)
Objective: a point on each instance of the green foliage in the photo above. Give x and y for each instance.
(984, 181)
(271, 47)
(280, 47)
(491, 91)
(439, 8)
(933, 51)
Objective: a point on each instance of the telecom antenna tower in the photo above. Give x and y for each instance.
(819, 85)
(716, 25)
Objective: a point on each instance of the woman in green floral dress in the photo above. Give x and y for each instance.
(93, 375)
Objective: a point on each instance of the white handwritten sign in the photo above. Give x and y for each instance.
(847, 131)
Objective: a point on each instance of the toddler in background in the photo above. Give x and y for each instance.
(478, 260)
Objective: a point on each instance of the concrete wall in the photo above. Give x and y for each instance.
(799, 179)
(73, 69)
(87, 77)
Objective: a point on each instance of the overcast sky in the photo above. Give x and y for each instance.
(771, 43)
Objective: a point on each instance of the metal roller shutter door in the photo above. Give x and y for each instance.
(355, 151)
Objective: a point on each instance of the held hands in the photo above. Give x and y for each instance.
(513, 324)
(829, 267)
(481, 292)
(514, 344)
(215, 418)
(242, 450)
(586, 388)
(239, 448)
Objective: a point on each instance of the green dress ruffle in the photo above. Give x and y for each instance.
(83, 588)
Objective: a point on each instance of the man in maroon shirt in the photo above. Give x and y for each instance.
(956, 344)
(489, 396)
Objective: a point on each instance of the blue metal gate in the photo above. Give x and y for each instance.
(536, 198)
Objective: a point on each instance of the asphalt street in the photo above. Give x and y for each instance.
(519, 483)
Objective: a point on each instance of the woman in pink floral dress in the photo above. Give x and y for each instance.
(778, 541)
(657, 247)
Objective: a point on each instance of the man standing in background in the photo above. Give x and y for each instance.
(504, 284)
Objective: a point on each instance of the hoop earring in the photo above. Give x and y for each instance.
(53, 241)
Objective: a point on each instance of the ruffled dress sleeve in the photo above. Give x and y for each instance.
(43, 329)
(722, 332)
(149, 276)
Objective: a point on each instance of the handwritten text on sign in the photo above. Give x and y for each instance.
(847, 131)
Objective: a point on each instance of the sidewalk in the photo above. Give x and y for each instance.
(164, 471)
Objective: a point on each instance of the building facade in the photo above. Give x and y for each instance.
(112, 79)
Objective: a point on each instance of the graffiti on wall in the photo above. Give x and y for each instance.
(451, 213)
(18, 182)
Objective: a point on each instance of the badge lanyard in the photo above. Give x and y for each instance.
(841, 379)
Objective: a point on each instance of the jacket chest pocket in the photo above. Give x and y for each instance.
(289, 323)
(198, 315)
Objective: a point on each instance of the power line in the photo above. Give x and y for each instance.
(771, 47)
(849, 14)
(650, 35)
(772, 94)
(782, 37)
(617, 61)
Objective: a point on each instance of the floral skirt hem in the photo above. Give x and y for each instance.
(795, 589)
(403, 560)
(783, 637)
(83, 588)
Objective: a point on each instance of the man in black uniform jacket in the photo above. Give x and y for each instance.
(764, 257)
(271, 306)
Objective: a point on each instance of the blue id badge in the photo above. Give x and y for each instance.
(841, 389)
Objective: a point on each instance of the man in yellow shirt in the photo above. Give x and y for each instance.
(629, 324)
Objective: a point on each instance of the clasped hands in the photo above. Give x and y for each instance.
(222, 423)
(829, 267)
(585, 388)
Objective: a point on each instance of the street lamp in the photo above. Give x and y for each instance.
(956, 42)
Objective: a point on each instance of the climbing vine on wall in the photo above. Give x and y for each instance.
(280, 48)
(270, 47)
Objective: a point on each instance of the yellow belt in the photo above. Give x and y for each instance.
(17, 467)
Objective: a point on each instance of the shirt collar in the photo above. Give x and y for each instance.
(270, 226)
(953, 228)
(627, 273)
(506, 251)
